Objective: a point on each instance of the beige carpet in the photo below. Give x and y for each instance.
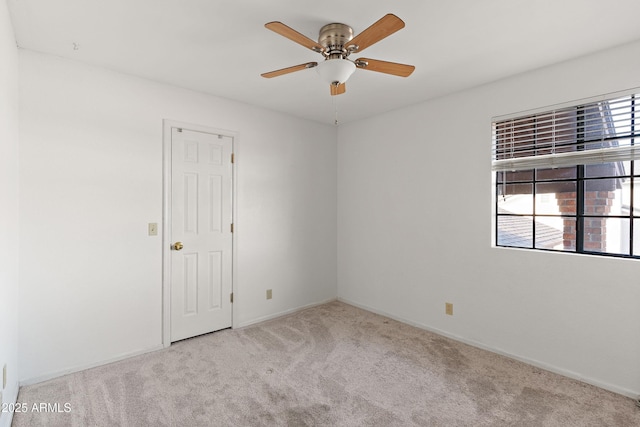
(332, 365)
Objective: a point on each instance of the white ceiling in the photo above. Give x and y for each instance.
(221, 47)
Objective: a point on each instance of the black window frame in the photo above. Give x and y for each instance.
(580, 215)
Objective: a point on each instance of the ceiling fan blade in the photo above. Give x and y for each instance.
(288, 70)
(394, 68)
(384, 27)
(293, 35)
(338, 89)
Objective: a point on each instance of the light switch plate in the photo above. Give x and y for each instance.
(153, 229)
(269, 294)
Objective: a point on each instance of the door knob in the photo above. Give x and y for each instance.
(177, 246)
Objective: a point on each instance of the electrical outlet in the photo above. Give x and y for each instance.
(153, 229)
(448, 308)
(269, 294)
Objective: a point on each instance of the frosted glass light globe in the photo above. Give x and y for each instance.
(335, 70)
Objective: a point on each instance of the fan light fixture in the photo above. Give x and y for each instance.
(335, 43)
(335, 70)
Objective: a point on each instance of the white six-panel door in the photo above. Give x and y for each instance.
(201, 218)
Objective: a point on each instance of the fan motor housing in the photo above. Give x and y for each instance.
(333, 37)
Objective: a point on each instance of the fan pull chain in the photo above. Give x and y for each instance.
(335, 110)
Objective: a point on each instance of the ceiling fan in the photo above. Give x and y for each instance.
(335, 44)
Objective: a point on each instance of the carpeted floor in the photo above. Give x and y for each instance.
(332, 365)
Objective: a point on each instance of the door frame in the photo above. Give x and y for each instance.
(166, 219)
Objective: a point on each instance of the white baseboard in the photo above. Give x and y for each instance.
(281, 313)
(7, 417)
(52, 375)
(5, 421)
(556, 370)
(56, 374)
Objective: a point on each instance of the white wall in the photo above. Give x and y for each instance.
(8, 210)
(91, 180)
(414, 232)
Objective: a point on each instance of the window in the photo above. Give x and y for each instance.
(569, 179)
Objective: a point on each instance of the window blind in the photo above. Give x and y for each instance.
(600, 131)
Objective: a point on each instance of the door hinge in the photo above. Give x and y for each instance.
(233, 158)
(232, 227)
(231, 297)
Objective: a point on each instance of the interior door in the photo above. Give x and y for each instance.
(201, 227)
